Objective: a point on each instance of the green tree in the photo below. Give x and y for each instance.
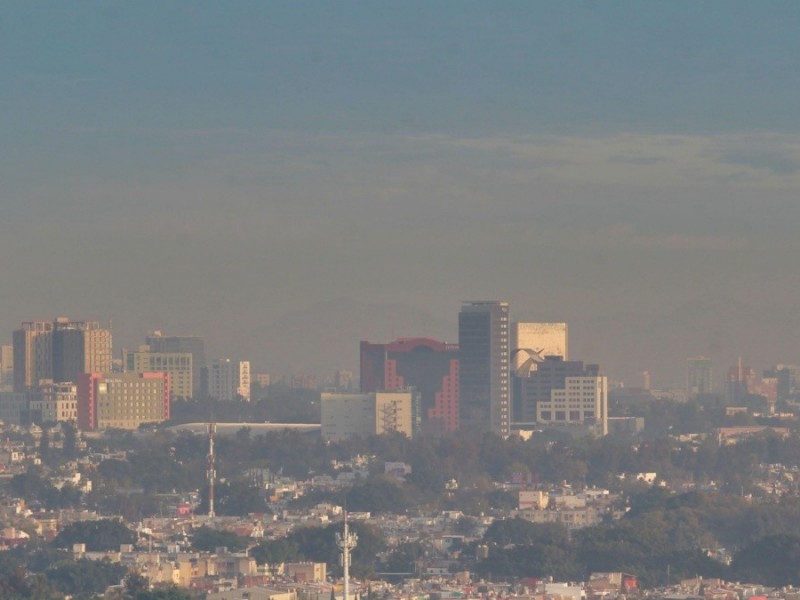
(84, 577)
(207, 539)
(318, 544)
(773, 560)
(99, 536)
(378, 494)
(520, 532)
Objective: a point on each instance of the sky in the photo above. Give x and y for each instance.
(289, 178)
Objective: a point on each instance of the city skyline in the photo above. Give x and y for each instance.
(287, 180)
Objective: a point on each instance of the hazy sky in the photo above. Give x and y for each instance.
(288, 178)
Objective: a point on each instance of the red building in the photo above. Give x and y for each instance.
(428, 366)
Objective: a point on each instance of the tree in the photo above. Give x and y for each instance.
(233, 498)
(773, 560)
(318, 544)
(166, 593)
(379, 494)
(44, 445)
(520, 532)
(99, 536)
(70, 439)
(84, 577)
(207, 539)
(135, 584)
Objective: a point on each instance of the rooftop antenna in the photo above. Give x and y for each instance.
(347, 542)
(211, 473)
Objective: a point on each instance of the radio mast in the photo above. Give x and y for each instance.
(347, 542)
(211, 473)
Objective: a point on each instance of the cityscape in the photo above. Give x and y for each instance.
(423, 300)
(218, 516)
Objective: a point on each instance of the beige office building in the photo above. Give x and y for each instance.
(58, 350)
(348, 415)
(177, 364)
(122, 400)
(531, 342)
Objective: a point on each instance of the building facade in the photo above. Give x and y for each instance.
(79, 347)
(535, 387)
(55, 403)
(699, 376)
(59, 350)
(7, 367)
(193, 344)
(122, 400)
(229, 380)
(348, 415)
(484, 359)
(582, 401)
(33, 354)
(531, 342)
(428, 366)
(177, 364)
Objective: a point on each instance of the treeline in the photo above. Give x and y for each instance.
(663, 538)
(453, 472)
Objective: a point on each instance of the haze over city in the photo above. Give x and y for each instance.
(287, 179)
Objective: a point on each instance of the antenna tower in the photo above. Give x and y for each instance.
(347, 542)
(211, 472)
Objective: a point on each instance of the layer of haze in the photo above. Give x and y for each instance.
(288, 178)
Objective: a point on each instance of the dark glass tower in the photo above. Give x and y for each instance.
(484, 399)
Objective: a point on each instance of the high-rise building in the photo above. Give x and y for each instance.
(79, 347)
(348, 415)
(699, 376)
(484, 359)
(531, 342)
(59, 351)
(121, 400)
(193, 344)
(177, 364)
(243, 384)
(229, 380)
(537, 386)
(428, 366)
(6, 367)
(741, 383)
(33, 354)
